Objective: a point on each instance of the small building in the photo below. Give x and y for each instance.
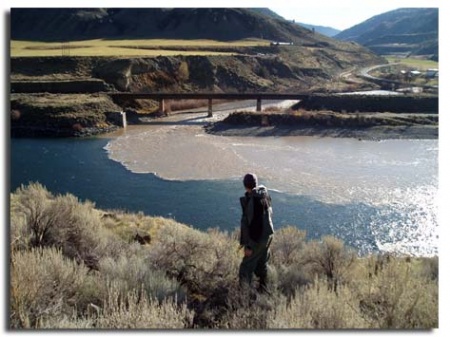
(432, 73)
(280, 43)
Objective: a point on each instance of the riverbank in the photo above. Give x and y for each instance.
(364, 126)
(115, 269)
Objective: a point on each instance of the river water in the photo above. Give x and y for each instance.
(376, 196)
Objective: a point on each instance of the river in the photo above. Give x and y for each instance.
(376, 196)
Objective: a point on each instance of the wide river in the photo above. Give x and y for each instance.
(375, 195)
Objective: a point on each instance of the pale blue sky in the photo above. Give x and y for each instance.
(335, 16)
(339, 14)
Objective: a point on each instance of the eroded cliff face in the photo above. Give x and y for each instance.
(41, 86)
(275, 69)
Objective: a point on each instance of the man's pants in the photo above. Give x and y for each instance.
(255, 263)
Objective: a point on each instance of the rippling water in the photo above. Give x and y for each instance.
(393, 182)
(373, 195)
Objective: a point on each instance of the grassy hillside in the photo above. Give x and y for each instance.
(73, 266)
(405, 31)
(130, 48)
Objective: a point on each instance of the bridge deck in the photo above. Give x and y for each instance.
(233, 96)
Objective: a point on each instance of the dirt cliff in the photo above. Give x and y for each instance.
(261, 69)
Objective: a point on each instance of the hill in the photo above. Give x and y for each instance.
(224, 24)
(402, 32)
(268, 12)
(327, 31)
(160, 50)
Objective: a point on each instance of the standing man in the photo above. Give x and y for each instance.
(256, 232)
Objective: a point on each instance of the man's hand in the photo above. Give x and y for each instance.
(248, 251)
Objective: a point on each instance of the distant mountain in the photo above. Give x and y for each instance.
(59, 24)
(405, 31)
(327, 31)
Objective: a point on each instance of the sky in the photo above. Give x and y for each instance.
(338, 14)
(341, 14)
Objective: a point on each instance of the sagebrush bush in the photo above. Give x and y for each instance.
(328, 257)
(132, 271)
(397, 297)
(430, 268)
(292, 277)
(30, 218)
(246, 309)
(136, 311)
(318, 307)
(200, 261)
(75, 267)
(47, 285)
(43, 220)
(287, 245)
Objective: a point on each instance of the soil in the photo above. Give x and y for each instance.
(373, 126)
(375, 133)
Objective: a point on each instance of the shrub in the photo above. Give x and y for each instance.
(135, 311)
(183, 71)
(46, 285)
(20, 232)
(330, 258)
(318, 307)
(397, 297)
(61, 221)
(200, 261)
(187, 278)
(67, 322)
(292, 277)
(31, 220)
(206, 264)
(246, 309)
(430, 268)
(287, 244)
(134, 272)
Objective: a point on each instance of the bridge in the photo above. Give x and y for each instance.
(161, 97)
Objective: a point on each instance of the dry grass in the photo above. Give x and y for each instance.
(73, 267)
(46, 285)
(416, 63)
(125, 48)
(136, 311)
(184, 104)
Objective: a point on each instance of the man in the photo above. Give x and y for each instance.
(256, 232)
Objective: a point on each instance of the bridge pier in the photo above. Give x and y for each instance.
(258, 104)
(162, 107)
(124, 119)
(210, 112)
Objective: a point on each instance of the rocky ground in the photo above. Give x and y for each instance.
(371, 133)
(374, 126)
(77, 111)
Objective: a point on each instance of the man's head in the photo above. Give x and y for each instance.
(250, 180)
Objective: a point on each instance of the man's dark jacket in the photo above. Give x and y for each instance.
(256, 221)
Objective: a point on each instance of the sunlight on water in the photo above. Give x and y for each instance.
(408, 222)
(398, 178)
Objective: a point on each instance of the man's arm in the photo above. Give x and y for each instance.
(244, 239)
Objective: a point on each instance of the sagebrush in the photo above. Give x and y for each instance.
(75, 267)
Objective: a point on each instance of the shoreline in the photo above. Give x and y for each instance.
(374, 133)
